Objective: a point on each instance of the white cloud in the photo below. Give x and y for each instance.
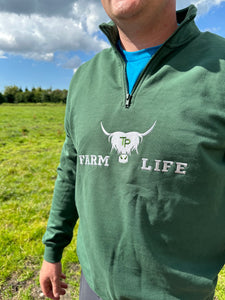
(2, 55)
(39, 56)
(38, 29)
(91, 14)
(68, 62)
(213, 29)
(202, 5)
(38, 37)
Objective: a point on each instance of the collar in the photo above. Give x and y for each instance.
(184, 33)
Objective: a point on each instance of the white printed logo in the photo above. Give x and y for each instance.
(125, 143)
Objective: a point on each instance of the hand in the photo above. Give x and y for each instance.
(51, 280)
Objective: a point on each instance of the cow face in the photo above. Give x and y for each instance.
(125, 143)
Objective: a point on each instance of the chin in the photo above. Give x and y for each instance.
(125, 8)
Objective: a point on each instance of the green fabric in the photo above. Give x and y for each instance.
(150, 179)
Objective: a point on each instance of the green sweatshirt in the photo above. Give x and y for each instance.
(145, 173)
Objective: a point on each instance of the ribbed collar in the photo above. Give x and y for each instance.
(184, 33)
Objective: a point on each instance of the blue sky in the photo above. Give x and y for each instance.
(42, 46)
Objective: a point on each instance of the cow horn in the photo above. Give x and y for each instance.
(103, 129)
(148, 131)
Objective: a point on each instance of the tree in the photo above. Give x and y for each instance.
(27, 96)
(2, 98)
(19, 97)
(46, 95)
(37, 95)
(64, 95)
(58, 96)
(13, 94)
(10, 93)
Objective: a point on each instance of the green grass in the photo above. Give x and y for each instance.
(31, 139)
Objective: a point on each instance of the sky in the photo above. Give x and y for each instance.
(43, 42)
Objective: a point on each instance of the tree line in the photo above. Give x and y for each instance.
(14, 94)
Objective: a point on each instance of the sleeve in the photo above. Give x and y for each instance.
(63, 214)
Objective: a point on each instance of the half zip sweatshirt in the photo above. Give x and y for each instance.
(148, 182)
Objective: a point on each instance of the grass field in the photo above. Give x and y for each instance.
(31, 139)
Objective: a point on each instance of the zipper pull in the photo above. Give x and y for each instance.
(128, 100)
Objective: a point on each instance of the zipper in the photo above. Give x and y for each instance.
(129, 96)
(128, 100)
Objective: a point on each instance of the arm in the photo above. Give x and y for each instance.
(62, 219)
(63, 214)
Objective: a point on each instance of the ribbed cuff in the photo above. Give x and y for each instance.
(53, 255)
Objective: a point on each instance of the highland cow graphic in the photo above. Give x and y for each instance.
(125, 143)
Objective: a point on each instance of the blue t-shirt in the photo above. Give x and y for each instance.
(136, 62)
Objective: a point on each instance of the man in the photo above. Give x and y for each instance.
(143, 164)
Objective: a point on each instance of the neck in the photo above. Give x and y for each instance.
(136, 35)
